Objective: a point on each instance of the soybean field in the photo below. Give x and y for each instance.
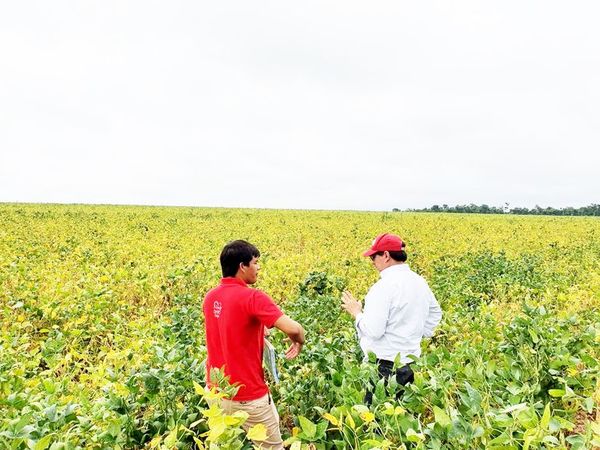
(101, 338)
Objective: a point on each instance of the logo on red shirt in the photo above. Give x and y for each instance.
(217, 307)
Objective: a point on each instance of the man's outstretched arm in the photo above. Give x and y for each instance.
(294, 331)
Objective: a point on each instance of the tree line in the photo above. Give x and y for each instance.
(591, 210)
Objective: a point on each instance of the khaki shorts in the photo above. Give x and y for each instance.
(262, 410)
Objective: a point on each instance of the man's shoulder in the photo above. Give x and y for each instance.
(258, 294)
(419, 282)
(405, 277)
(214, 291)
(410, 273)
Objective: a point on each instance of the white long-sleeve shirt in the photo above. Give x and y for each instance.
(399, 311)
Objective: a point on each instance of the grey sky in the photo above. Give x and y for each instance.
(327, 105)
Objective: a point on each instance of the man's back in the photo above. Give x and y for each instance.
(235, 317)
(399, 310)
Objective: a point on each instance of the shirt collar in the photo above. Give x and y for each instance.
(230, 281)
(393, 269)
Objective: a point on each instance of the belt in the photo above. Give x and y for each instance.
(387, 363)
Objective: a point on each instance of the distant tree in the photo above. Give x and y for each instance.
(591, 210)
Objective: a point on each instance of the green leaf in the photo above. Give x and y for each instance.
(512, 408)
(556, 392)
(534, 336)
(360, 408)
(554, 425)
(528, 438)
(43, 443)
(321, 429)
(551, 440)
(309, 428)
(501, 439)
(195, 424)
(413, 436)
(546, 417)
(50, 413)
(565, 424)
(49, 386)
(528, 419)
(441, 417)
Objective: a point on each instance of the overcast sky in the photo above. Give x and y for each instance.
(310, 104)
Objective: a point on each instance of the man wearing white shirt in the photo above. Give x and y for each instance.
(400, 310)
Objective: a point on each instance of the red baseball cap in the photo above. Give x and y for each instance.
(385, 242)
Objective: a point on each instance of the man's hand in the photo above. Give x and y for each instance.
(293, 351)
(295, 334)
(350, 304)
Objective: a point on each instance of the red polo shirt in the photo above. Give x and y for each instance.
(235, 316)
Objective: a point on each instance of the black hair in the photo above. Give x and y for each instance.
(396, 255)
(400, 256)
(234, 253)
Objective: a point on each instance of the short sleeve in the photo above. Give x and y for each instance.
(264, 308)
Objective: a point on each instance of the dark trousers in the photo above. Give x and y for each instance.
(385, 369)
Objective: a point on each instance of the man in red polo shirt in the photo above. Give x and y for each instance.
(235, 319)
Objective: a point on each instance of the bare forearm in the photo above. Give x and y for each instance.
(290, 327)
(298, 336)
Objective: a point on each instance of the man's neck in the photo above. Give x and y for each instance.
(391, 264)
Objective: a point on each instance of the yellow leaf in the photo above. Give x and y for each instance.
(234, 420)
(199, 443)
(213, 411)
(367, 416)
(331, 418)
(217, 428)
(171, 439)
(257, 433)
(213, 394)
(241, 415)
(198, 389)
(399, 411)
(155, 442)
(121, 389)
(295, 431)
